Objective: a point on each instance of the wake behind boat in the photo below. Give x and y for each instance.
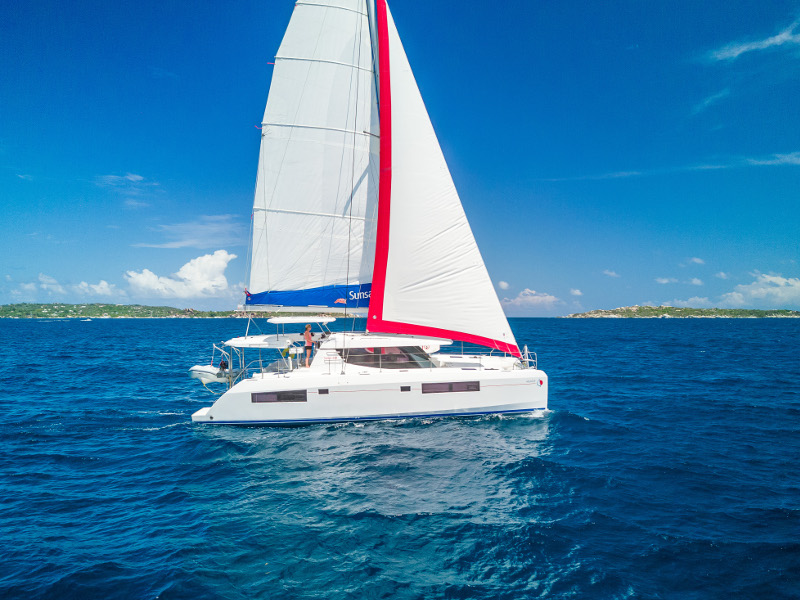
(355, 211)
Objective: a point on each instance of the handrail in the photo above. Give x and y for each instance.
(470, 358)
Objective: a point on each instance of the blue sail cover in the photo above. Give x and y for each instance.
(350, 296)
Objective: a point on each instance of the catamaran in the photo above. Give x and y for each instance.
(356, 213)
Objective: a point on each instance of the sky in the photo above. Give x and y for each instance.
(607, 153)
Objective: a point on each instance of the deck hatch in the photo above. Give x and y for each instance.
(284, 396)
(451, 386)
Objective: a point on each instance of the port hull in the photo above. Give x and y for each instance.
(372, 394)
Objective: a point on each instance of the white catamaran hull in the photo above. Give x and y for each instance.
(377, 395)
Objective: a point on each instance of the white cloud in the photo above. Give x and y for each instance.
(695, 281)
(614, 175)
(722, 275)
(50, 285)
(204, 232)
(666, 280)
(25, 292)
(692, 261)
(129, 184)
(792, 158)
(575, 292)
(25, 177)
(735, 50)
(733, 162)
(733, 300)
(201, 277)
(103, 288)
(610, 273)
(131, 203)
(503, 285)
(118, 180)
(765, 290)
(713, 99)
(528, 300)
(54, 288)
(695, 302)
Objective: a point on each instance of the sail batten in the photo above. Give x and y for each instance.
(318, 127)
(340, 6)
(315, 214)
(330, 62)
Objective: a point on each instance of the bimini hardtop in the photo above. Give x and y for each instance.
(363, 376)
(355, 212)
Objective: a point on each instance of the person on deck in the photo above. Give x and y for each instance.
(307, 335)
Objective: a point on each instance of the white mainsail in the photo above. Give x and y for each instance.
(429, 276)
(316, 191)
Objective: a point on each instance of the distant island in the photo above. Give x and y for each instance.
(672, 312)
(138, 311)
(106, 311)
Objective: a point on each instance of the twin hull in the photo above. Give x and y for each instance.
(375, 395)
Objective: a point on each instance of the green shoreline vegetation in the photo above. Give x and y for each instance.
(138, 311)
(672, 312)
(106, 311)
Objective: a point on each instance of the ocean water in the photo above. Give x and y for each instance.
(668, 466)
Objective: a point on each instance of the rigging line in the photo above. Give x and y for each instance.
(342, 167)
(373, 51)
(249, 266)
(264, 232)
(353, 168)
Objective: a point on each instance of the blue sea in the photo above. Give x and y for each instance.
(668, 466)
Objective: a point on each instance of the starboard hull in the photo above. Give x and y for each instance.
(377, 396)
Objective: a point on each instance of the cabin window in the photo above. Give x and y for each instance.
(285, 396)
(407, 357)
(405, 388)
(451, 386)
(322, 392)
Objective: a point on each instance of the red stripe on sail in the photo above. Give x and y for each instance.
(385, 182)
(458, 336)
